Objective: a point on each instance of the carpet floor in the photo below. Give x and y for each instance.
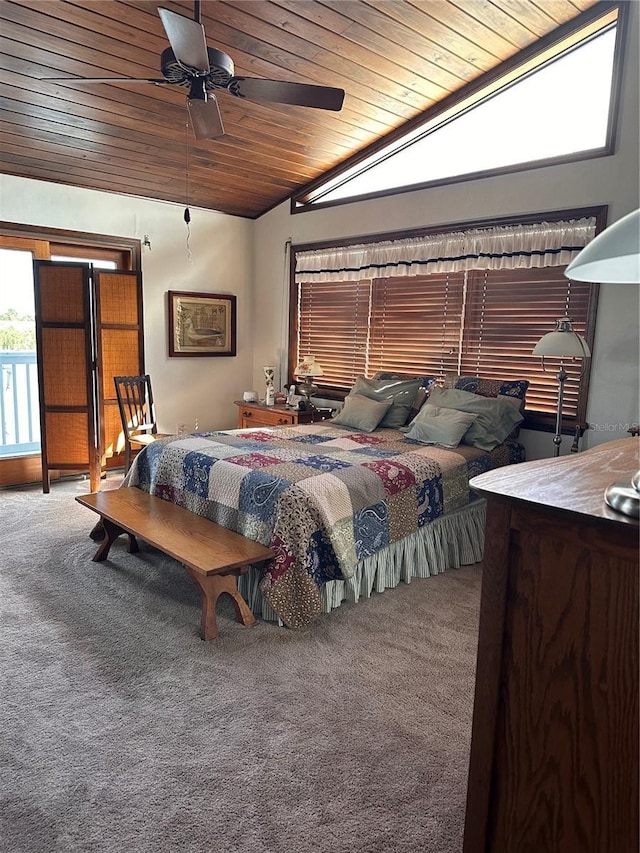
(120, 730)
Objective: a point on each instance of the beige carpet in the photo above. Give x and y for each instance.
(121, 730)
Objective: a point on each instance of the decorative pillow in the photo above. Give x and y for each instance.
(436, 425)
(512, 388)
(399, 393)
(513, 391)
(362, 413)
(496, 419)
(423, 390)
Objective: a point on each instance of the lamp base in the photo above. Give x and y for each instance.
(307, 389)
(625, 497)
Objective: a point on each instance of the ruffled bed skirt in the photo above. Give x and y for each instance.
(453, 540)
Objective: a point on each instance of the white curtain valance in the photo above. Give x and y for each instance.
(543, 244)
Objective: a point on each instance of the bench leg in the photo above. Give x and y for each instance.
(112, 531)
(211, 588)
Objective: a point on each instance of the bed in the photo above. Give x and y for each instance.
(346, 510)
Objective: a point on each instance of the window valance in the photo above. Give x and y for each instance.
(527, 246)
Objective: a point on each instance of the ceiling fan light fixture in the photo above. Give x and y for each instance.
(204, 112)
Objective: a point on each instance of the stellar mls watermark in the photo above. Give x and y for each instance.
(619, 427)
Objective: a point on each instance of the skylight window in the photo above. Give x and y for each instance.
(556, 109)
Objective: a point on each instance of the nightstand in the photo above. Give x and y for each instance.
(257, 414)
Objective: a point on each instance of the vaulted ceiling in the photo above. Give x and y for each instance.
(393, 58)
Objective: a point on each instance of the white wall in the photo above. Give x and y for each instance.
(614, 388)
(221, 261)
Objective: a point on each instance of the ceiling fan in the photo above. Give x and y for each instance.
(190, 63)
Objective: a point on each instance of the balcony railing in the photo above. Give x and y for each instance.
(19, 409)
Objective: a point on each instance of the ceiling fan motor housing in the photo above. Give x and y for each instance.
(217, 77)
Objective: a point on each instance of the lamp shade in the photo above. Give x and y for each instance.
(613, 257)
(309, 367)
(563, 342)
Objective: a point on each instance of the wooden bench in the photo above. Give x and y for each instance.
(213, 556)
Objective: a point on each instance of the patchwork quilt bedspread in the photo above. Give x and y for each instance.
(323, 498)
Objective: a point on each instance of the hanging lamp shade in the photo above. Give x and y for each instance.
(613, 257)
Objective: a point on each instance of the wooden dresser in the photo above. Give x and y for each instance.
(257, 414)
(554, 752)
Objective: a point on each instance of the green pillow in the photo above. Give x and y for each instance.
(496, 419)
(436, 425)
(359, 412)
(400, 394)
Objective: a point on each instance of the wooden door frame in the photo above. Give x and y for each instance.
(129, 245)
(26, 469)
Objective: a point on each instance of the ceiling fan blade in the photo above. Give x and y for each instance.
(187, 40)
(299, 94)
(159, 81)
(206, 120)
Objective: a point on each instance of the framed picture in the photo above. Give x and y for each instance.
(201, 324)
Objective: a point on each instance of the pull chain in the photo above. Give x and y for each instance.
(187, 212)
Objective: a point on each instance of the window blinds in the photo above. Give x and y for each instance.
(415, 324)
(333, 325)
(506, 314)
(472, 302)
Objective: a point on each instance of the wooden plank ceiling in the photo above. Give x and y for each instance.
(394, 58)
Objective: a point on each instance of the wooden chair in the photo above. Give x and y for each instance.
(137, 412)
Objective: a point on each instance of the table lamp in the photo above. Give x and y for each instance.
(306, 370)
(613, 257)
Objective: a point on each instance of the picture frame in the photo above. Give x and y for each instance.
(201, 324)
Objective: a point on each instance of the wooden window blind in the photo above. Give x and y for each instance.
(437, 324)
(415, 324)
(333, 325)
(506, 314)
(475, 322)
